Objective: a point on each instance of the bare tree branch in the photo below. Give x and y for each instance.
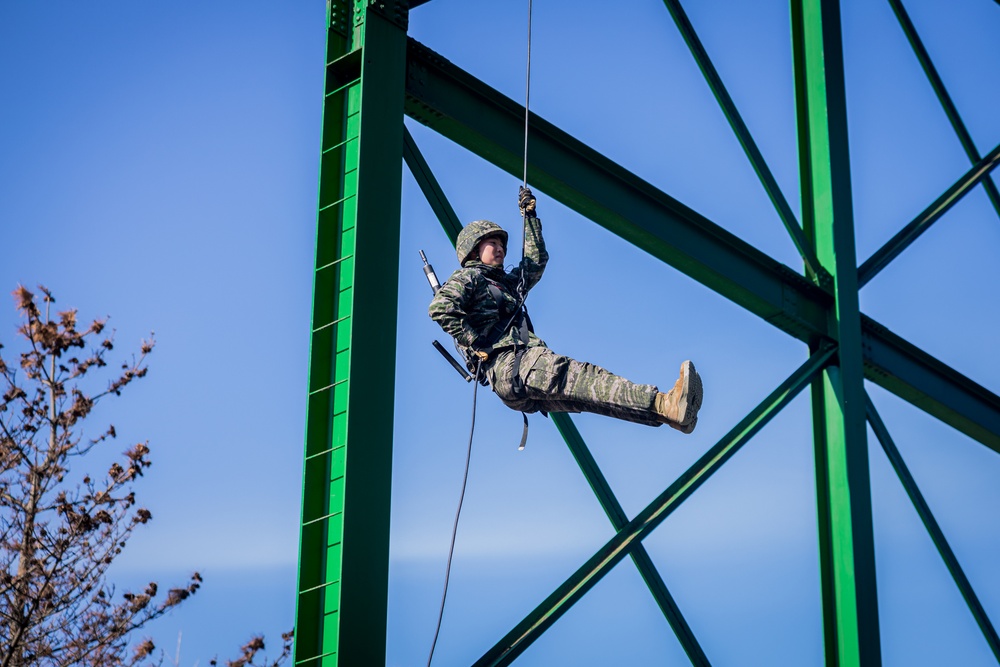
(57, 539)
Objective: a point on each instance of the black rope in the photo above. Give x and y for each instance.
(458, 513)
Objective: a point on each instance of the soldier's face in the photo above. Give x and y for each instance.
(491, 252)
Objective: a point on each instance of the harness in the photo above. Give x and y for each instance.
(516, 320)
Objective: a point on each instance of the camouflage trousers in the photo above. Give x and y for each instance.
(554, 383)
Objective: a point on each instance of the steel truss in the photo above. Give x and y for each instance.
(375, 75)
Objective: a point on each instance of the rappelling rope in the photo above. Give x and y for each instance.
(524, 174)
(527, 96)
(458, 514)
(475, 384)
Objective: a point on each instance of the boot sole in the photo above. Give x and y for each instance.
(691, 397)
(687, 428)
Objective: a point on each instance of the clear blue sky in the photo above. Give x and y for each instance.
(159, 164)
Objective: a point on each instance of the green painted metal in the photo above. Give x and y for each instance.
(601, 488)
(942, 94)
(474, 115)
(446, 215)
(746, 141)
(429, 185)
(371, 65)
(846, 541)
(933, 529)
(626, 539)
(344, 550)
(467, 111)
(920, 224)
(939, 390)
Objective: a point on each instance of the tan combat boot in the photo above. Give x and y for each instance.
(678, 408)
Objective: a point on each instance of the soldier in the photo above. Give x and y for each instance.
(481, 307)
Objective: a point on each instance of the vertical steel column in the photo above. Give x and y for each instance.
(344, 550)
(847, 555)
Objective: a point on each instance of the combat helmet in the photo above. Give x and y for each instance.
(472, 234)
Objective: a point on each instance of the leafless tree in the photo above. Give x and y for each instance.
(249, 653)
(59, 533)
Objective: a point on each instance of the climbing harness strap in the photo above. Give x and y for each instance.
(519, 349)
(521, 326)
(520, 346)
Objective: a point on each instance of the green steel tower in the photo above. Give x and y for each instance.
(376, 75)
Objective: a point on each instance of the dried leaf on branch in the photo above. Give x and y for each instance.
(58, 538)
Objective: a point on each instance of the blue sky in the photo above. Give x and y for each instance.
(159, 164)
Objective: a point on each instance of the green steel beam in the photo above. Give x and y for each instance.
(942, 94)
(467, 111)
(746, 140)
(918, 378)
(933, 529)
(602, 490)
(474, 115)
(430, 187)
(843, 486)
(344, 549)
(626, 540)
(619, 520)
(908, 234)
(342, 588)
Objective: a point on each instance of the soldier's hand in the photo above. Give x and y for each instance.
(482, 355)
(526, 201)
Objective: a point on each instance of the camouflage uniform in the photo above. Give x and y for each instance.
(467, 311)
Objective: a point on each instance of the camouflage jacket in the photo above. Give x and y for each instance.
(466, 311)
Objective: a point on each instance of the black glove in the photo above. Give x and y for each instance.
(526, 202)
